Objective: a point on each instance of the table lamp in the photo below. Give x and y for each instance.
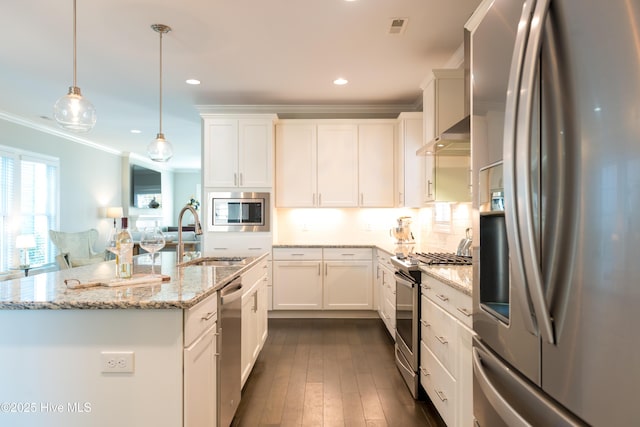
(24, 242)
(114, 212)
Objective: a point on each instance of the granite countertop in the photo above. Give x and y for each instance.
(324, 246)
(187, 286)
(459, 277)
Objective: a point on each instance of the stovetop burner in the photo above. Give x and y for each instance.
(441, 258)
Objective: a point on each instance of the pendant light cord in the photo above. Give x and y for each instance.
(160, 81)
(74, 44)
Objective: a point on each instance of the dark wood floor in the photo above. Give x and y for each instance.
(329, 372)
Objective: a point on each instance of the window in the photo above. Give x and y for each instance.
(28, 205)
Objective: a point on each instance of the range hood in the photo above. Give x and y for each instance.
(454, 141)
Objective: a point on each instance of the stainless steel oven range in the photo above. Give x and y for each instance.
(408, 277)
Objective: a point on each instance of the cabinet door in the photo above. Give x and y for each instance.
(297, 285)
(249, 334)
(263, 307)
(429, 178)
(409, 167)
(375, 160)
(200, 399)
(452, 178)
(255, 153)
(221, 153)
(464, 381)
(337, 166)
(296, 164)
(348, 285)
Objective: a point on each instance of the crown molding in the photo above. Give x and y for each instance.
(55, 132)
(313, 111)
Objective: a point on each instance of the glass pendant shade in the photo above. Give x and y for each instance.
(74, 112)
(160, 150)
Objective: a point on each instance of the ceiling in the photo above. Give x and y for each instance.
(277, 56)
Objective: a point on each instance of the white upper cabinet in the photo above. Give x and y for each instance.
(375, 170)
(446, 177)
(238, 151)
(296, 164)
(409, 167)
(337, 166)
(346, 163)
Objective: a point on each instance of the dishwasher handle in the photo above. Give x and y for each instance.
(231, 291)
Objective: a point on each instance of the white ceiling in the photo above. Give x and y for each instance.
(245, 52)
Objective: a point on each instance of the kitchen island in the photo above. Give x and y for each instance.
(62, 350)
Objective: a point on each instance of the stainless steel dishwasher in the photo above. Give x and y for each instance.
(229, 375)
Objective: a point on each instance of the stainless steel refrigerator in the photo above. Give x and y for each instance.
(556, 155)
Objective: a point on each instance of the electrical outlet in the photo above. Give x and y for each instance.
(121, 361)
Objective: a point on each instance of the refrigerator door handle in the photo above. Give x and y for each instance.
(523, 164)
(509, 150)
(509, 415)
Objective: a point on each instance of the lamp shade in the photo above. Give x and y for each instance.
(25, 241)
(114, 212)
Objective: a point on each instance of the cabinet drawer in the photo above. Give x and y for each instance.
(439, 330)
(257, 273)
(448, 298)
(199, 318)
(439, 385)
(297, 254)
(347, 254)
(384, 259)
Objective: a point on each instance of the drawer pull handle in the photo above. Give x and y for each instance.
(208, 316)
(424, 372)
(426, 287)
(441, 395)
(443, 340)
(347, 254)
(297, 254)
(425, 324)
(464, 311)
(443, 297)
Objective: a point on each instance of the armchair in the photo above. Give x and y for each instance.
(76, 249)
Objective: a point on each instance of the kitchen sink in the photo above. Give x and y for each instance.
(217, 262)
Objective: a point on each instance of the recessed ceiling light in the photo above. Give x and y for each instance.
(136, 131)
(340, 81)
(193, 81)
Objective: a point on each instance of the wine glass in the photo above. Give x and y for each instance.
(152, 241)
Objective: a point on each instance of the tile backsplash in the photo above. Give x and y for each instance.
(442, 225)
(437, 228)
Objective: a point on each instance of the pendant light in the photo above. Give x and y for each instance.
(160, 150)
(72, 111)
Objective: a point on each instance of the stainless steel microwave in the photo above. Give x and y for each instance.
(238, 211)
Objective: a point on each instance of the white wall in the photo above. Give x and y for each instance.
(89, 178)
(186, 185)
(53, 357)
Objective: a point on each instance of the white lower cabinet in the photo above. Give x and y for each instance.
(200, 364)
(200, 381)
(322, 279)
(253, 316)
(445, 359)
(386, 292)
(348, 279)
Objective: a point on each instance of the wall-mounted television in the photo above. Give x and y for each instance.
(146, 187)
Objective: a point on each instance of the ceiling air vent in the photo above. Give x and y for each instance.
(397, 26)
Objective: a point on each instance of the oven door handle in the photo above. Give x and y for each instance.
(401, 279)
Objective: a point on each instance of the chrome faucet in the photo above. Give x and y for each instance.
(198, 230)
